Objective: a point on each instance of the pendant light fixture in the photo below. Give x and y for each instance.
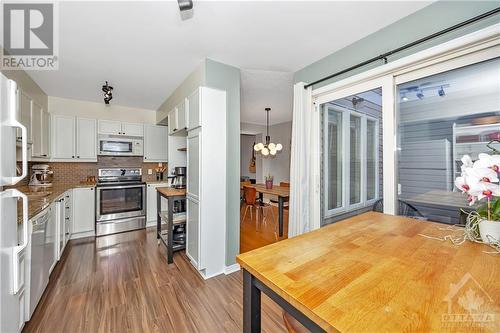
(268, 148)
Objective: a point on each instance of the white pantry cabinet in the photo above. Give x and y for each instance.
(116, 127)
(83, 212)
(206, 193)
(74, 139)
(155, 143)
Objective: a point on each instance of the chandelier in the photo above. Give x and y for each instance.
(268, 147)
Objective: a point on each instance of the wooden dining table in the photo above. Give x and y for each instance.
(282, 192)
(374, 273)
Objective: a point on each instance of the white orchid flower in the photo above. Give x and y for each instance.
(486, 175)
(488, 161)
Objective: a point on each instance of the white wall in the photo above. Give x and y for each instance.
(246, 147)
(194, 80)
(73, 107)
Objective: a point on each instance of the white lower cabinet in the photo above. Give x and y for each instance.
(83, 212)
(151, 208)
(63, 212)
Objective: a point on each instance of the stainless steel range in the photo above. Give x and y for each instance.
(120, 200)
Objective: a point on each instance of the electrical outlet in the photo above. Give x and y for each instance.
(150, 171)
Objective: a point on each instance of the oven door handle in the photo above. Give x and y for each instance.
(119, 187)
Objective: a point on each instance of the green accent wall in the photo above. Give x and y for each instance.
(227, 78)
(435, 17)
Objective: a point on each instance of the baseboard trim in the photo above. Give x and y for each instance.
(231, 269)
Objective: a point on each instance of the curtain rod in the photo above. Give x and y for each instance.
(406, 46)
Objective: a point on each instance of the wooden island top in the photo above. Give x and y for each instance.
(375, 272)
(171, 192)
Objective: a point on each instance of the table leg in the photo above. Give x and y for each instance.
(251, 304)
(158, 218)
(170, 237)
(280, 215)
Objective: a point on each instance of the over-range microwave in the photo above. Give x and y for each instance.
(113, 145)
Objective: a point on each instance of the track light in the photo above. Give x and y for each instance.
(185, 5)
(441, 92)
(108, 92)
(420, 94)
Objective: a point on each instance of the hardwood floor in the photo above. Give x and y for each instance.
(122, 283)
(253, 236)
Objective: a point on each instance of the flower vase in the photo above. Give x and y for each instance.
(269, 184)
(489, 231)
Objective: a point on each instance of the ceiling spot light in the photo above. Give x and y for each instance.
(420, 94)
(404, 98)
(108, 92)
(441, 92)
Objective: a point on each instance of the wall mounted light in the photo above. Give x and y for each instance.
(108, 92)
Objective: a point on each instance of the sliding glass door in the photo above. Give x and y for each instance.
(351, 153)
(441, 118)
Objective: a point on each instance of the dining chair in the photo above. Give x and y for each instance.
(275, 201)
(242, 198)
(264, 207)
(250, 199)
(404, 209)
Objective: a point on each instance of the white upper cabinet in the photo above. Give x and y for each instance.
(193, 107)
(155, 143)
(182, 115)
(178, 119)
(74, 139)
(132, 129)
(110, 127)
(172, 122)
(40, 131)
(86, 139)
(115, 127)
(24, 115)
(63, 137)
(45, 133)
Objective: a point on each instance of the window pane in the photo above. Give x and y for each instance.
(441, 118)
(334, 156)
(355, 160)
(371, 158)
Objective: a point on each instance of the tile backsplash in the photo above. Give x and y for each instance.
(72, 173)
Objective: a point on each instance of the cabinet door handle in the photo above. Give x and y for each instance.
(72, 156)
(78, 157)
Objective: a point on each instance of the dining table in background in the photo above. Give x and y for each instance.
(282, 192)
(373, 273)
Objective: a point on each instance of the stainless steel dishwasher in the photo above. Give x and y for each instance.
(39, 271)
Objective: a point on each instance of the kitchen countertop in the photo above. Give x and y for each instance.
(171, 192)
(40, 198)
